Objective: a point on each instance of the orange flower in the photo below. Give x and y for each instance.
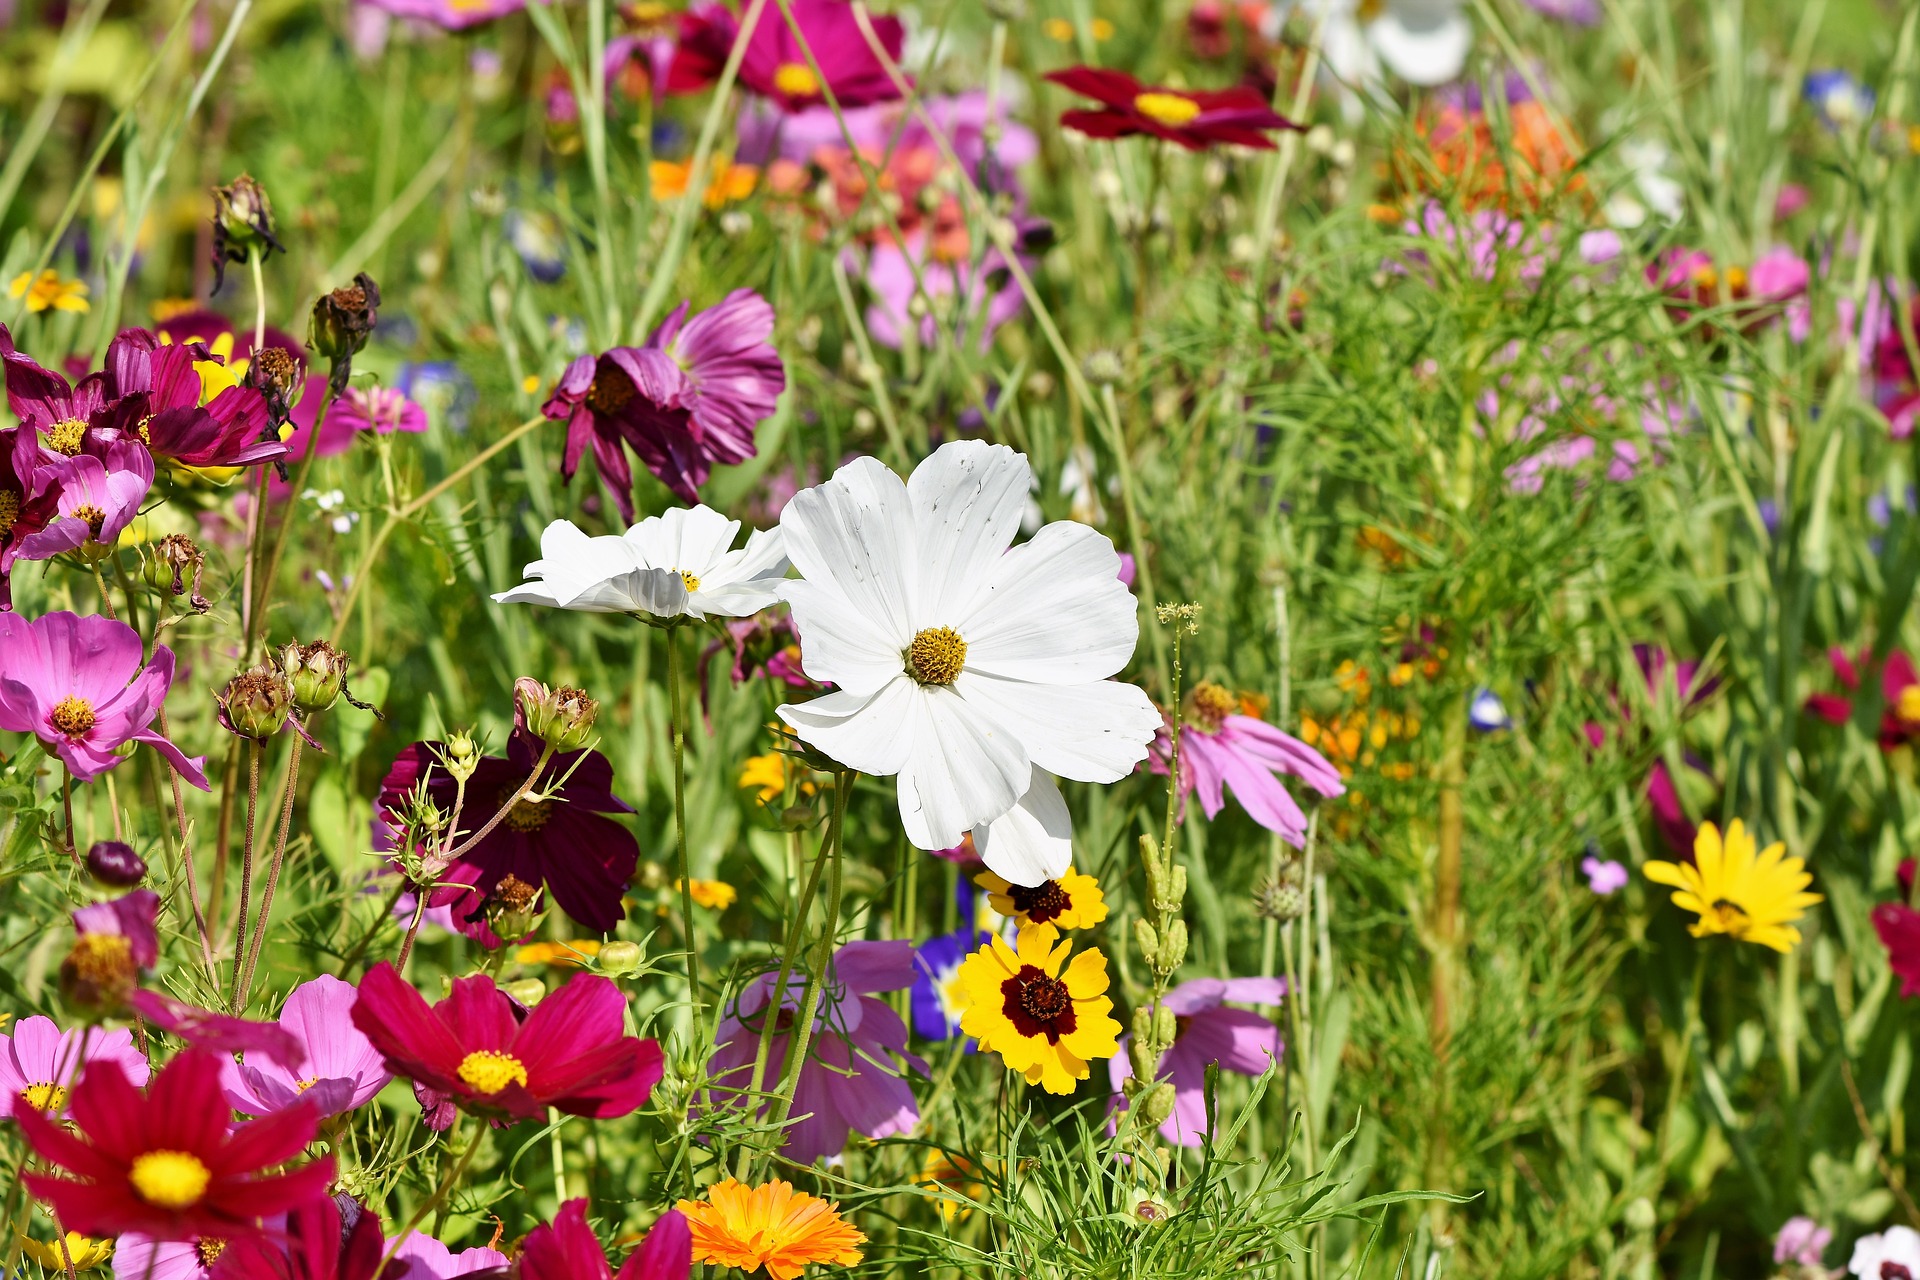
(1534, 163)
(727, 182)
(771, 1226)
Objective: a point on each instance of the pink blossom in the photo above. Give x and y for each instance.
(1219, 749)
(450, 15)
(38, 1062)
(98, 497)
(425, 1258)
(133, 916)
(380, 410)
(1209, 1032)
(775, 66)
(1801, 1241)
(341, 1069)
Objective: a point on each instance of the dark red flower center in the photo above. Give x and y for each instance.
(611, 390)
(1044, 902)
(1038, 1005)
(1895, 1271)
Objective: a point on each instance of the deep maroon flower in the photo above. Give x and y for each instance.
(166, 1165)
(1194, 118)
(566, 1249)
(690, 398)
(319, 1243)
(571, 1053)
(199, 413)
(555, 836)
(775, 66)
(26, 505)
(1899, 928)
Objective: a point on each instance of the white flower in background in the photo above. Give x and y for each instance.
(1891, 1253)
(679, 564)
(1423, 42)
(1649, 164)
(333, 505)
(974, 672)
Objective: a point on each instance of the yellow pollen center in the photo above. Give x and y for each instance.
(65, 437)
(796, 80)
(209, 1248)
(305, 1085)
(936, 656)
(526, 814)
(169, 1179)
(9, 512)
(1907, 706)
(1369, 10)
(72, 716)
(1730, 916)
(489, 1072)
(1167, 108)
(102, 959)
(140, 429)
(691, 579)
(44, 1096)
(93, 515)
(1212, 704)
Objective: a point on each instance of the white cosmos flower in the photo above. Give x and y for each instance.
(1423, 42)
(678, 564)
(974, 672)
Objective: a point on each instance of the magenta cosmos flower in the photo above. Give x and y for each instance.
(688, 399)
(95, 497)
(1194, 118)
(199, 414)
(1210, 1032)
(560, 840)
(848, 1081)
(425, 1258)
(39, 1061)
(775, 65)
(1221, 748)
(141, 1257)
(341, 1069)
(572, 1053)
(77, 684)
(450, 15)
(566, 1249)
(26, 505)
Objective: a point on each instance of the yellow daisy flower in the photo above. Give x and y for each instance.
(573, 953)
(49, 292)
(1748, 897)
(728, 182)
(1073, 901)
(1047, 1019)
(714, 895)
(771, 1226)
(85, 1252)
(768, 775)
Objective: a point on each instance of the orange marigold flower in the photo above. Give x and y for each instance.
(771, 1226)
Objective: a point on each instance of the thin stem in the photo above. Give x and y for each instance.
(413, 929)
(264, 587)
(186, 858)
(519, 794)
(66, 802)
(438, 1197)
(246, 870)
(676, 710)
(255, 259)
(273, 868)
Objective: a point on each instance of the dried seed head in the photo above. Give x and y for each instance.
(316, 674)
(256, 703)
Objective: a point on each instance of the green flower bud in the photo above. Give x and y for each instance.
(1165, 1028)
(1154, 1108)
(619, 958)
(1175, 949)
(256, 703)
(562, 718)
(528, 991)
(462, 755)
(174, 564)
(316, 674)
(1145, 1060)
(1146, 939)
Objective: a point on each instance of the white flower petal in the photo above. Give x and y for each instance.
(965, 770)
(873, 733)
(839, 644)
(686, 539)
(1095, 732)
(1422, 43)
(1053, 611)
(744, 581)
(968, 498)
(1033, 841)
(571, 568)
(853, 536)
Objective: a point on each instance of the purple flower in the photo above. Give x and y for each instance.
(427, 1259)
(936, 963)
(133, 916)
(188, 421)
(1210, 1032)
(341, 1072)
(380, 410)
(39, 1061)
(1221, 748)
(450, 15)
(1801, 1241)
(774, 65)
(1581, 13)
(690, 398)
(95, 499)
(848, 1082)
(30, 504)
(1604, 877)
(1838, 99)
(78, 684)
(970, 302)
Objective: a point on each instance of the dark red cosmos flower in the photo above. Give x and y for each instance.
(167, 1165)
(572, 1052)
(1194, 118)
(774, 65)
(566, 1249)
(561, 840)
(1899, 695)
(1899, 928)
(232, 429)
(323, 1240)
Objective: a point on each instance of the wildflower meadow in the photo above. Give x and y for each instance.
(950, 639)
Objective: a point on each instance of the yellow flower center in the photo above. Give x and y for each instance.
(1728, 916)
(209, 1248)
(1169, 109)
(169, 1179)
(9, 512)
(796, 80)
(66, 437)
(691, 579)
(44, 1095)
(102, 959)
(305, 1085)
(72, 716)
(93, 515)
(1212, 705)
(526, 814)
(936, 656)
(489, 1072)
(1907, 706)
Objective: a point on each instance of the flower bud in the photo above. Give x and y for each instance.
(512, 908)
(619, 958)
(1143, 1056)
(1282, 900)
(528, 991)
(1165, 1027)
(462, 755)
(342, 322)
(174, 563)
(114, 862)
(316, 674)
(1153, 1109)
(562, 718)
(242, 225)
(256, 703)
(1146, 939)
(1103, 368)
(1150, 1212)
(1174, 945)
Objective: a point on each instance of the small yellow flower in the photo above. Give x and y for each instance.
(1073, 901)
(1046, 1018)
(726, 182)
(48, 290)
(85, 1252)
(530, 383)
(1062, 30)
(771, 1226)
(1748, 897)
(714, 895)
(953, 1174)
(768, 774)
(572, 954)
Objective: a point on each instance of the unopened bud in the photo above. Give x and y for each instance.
(242, 225)
(1146, 939)
(619, 958)
(256, 703)
(1177, 886)
(342, 322)
(174, 563)
(1154, 1108)
(1175, 949)
(316, 674)
(1151, 1212)
(114, 862)
(1103, 368)
(562, 718)
(528, 991)
(1145, 1060)
(462, 755)
(1281, 900)
(1165, 1027)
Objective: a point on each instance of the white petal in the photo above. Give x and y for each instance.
(1094, 732)
(1422, 43)
(1033, 841)
(838, 643)
(660, 592)
(967, 502)
(965, 770)
(745, 581)
(853, 536)
(1054, 611)
(571, 570)
(686, 539)
(873, 733)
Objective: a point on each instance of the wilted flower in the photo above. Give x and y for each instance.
(175, 563)
(315, 674)
(242, 225)
(275, 374)
(341, 323)
(256, 703)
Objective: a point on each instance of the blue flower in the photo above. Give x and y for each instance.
(1837, 98)
(1486, 712)
(439, 387)
(541, 243)
(935, 964)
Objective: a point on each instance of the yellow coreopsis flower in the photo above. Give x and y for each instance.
(1046, 1018)
(714, 895)
(48, 291)
(1073, 901)
(85, 1252)
(573, 954)
(1747, 896)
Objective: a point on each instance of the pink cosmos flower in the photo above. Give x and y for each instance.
(1801, 1241)
(1778, 279)
(690, 398)
(218, 1033)
(1210, 1032)
(1221, 748)
(38, 1062)
(134, 916)
(1604, 876)
(450, 15)
(967, 301)
(96, 498)
(140, 1257)
(425, 1258)
(848, 1081)
(566, 1249)
(775, 65)
(380, 410)
(341, 1071)
(78, 684)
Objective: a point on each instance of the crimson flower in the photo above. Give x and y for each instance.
(1899, 695)
(166, 1164)
(572, 1052)
(1899, 928)
(1194, 118)
(566, 1249)
(320, 1243)
(775, 66)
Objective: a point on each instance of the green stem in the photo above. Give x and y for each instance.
(677, 713)
(273, 868)
(263, 588)
(246, 870)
